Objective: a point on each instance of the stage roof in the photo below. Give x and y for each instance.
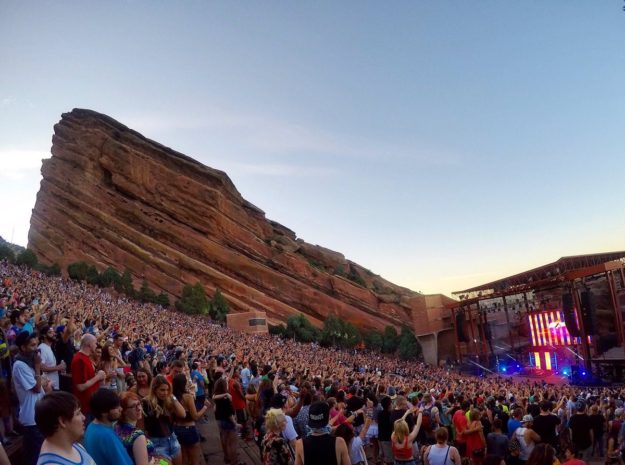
(550, 272)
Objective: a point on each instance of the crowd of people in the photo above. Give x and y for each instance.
(91, 377)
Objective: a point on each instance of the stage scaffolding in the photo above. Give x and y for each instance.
(525, 319)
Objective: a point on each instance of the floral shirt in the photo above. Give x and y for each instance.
(128, 433)
(275, 450)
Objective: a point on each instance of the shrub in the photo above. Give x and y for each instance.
(77, 271)
(340, 333)
(110, 277)
(218, 307)
(146, 294)
(51, 270)
(125, 284)
(163, 300)
(374, 339)
(193, 300)
(26, 257)
(7, 253)
(391, 339)
(299, 328)
(92, 277)
(409, 347)
(279, 330)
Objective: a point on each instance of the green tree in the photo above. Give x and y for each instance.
(409, 347)
(93, 277)
(7, 253)
(299, 328)
(26, 257)
(279, 330)
(77, 271)
(51, 270)
(110, 277)
(332, 331)
(146, 294)
(218, 307)
(391, 339)
(163, 300)
(374, 339)
(193, 300)
(125, 284)
(339, 333)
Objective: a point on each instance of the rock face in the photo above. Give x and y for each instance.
(112, 197)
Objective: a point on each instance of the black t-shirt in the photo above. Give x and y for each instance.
(545, 427)
(580, 430)
(533, 410)
(385, 426)
(598, 423)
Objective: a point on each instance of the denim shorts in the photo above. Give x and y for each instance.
(167, 446)
(187, 435)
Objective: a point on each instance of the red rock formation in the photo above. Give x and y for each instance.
(110, 196)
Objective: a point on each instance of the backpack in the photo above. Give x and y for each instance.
(426, 421)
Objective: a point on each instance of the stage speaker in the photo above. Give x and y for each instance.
(568, 310)
(460, 327)
(487, 332)
(589, 315)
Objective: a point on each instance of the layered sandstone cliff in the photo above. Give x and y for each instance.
(110, 196)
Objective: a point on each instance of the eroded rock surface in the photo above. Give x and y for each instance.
(110, 196)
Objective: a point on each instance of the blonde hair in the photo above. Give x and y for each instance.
(400, 428)
(273, 419)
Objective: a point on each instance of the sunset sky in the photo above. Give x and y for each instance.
(441, 144)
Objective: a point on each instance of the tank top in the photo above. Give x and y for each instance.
(85, 458)
(320, 450)
(403, 452)
(438, 455)
(526, 449)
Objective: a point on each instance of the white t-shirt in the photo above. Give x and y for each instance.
(49, 360)
(24, 381)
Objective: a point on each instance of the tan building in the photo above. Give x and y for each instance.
(249, 322)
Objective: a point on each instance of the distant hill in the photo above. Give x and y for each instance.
(14, 247)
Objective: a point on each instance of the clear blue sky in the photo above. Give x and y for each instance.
(440, 144)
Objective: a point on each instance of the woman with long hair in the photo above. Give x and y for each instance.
(185, 428)
(161, 408)
(402, 439)
(224, 414)
(355, 444)
(476, 443)
(108, 364)
(144, 380)
(274, 448)
(139, 448)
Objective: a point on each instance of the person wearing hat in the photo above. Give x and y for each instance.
(320, 447)
(29, 387)
(527, 438)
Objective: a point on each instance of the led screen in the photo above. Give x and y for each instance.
(548, 329)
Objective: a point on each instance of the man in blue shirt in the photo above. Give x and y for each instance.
(100, 440)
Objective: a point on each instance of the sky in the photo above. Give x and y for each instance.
(440, 144)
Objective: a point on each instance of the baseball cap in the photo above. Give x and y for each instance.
(318, 414)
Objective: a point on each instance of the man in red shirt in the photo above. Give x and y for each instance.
(238, 401)
(571, 458)
(85, 380)
(461, 424)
